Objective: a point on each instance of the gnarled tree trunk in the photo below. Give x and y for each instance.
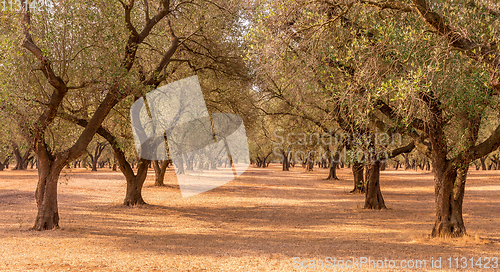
(332, 175)
(449, 191)
(134, 184)
(373, 198)
(49, 170)
(97, 154)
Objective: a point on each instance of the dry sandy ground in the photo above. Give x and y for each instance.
(258, 222)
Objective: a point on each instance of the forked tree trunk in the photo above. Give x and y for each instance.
(21, 160)
(160, 172)
(134, 181)
(449, 191)
(373, 197)
(134, 184)
(97, 154)
(357, 172)
(50, 164)
(134, 191)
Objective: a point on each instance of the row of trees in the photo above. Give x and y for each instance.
(72, 73)
(422, 71)
(425, 69)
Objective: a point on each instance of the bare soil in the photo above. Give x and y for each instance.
(258, 222)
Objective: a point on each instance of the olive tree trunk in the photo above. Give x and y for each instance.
(160, 172)
(21, 160)
(4, 164)
(449, 195)
(46, 195)
(332, 175)
(373, 197)
(359, 183)
(133, 196)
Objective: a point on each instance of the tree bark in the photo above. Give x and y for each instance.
(134, 184)
(449, 191)
(332, 175)
(373, 197)
(359, 184)
(49, 170)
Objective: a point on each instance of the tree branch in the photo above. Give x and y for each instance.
(119, 154)
(405, 149)
(154, 78)
(60, 88)
(389, 5)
